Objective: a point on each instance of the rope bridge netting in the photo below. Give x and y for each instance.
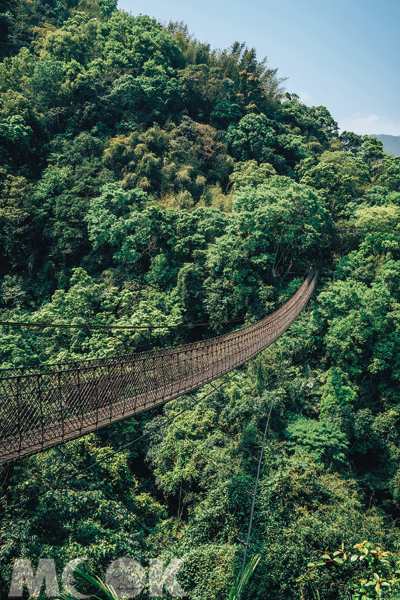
(44, 406)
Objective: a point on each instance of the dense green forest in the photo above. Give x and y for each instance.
(146, 178)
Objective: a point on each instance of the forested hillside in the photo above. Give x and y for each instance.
(148, 179)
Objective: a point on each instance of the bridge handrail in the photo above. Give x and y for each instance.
(44, 408)
(32, 370)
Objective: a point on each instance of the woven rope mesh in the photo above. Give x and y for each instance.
(41, 407)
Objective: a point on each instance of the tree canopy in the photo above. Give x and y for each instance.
(149, 179)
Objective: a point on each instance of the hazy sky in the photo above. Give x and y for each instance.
(343, 54)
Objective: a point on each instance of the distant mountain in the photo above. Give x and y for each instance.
(391, 143)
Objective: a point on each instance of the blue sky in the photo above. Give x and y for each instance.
(343, 54)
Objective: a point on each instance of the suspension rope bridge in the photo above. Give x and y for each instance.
(41, 407)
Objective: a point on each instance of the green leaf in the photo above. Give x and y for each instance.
(326, 556)
(354, 557)
(339, 560)
(241, 583)
(107, 590)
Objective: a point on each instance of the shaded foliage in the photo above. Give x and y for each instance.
(148, 179)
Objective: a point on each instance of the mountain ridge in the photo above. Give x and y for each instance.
(391, 143)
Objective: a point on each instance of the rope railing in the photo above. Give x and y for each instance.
(45, 406)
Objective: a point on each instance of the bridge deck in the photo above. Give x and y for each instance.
(43, 407)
